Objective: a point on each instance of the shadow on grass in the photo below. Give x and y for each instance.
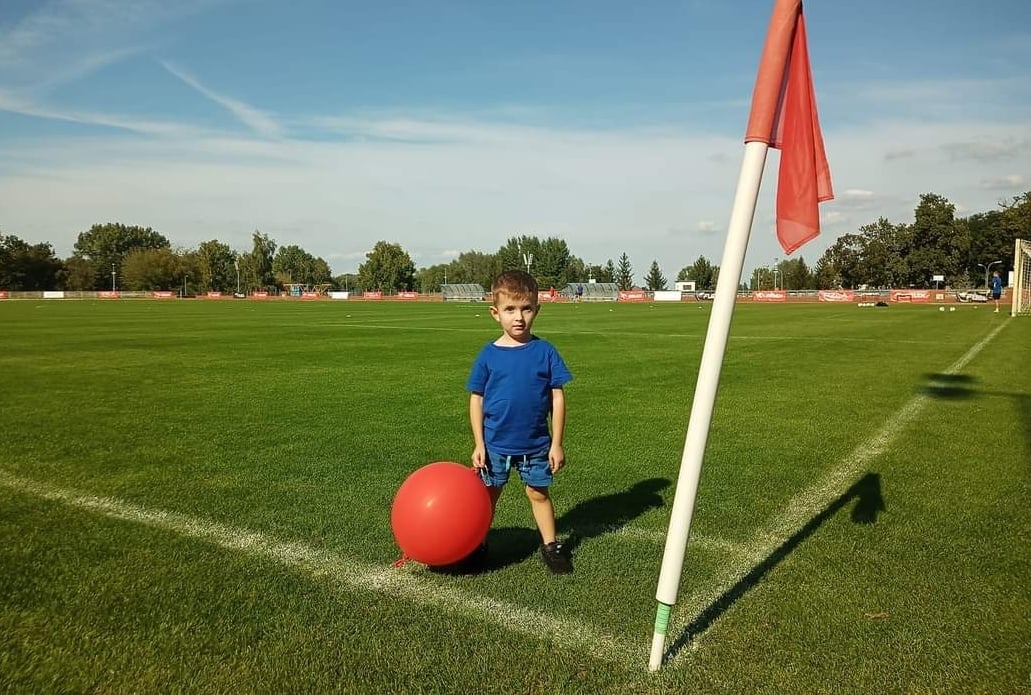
(610, 513)
(606, 514)
(961, 387)
(866, 492)
(949, 386)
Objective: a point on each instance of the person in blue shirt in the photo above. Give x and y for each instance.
(515, 386)
(996, 287)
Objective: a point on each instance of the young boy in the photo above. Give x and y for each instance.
(515, 384)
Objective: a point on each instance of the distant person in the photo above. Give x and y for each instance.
(553, 293)
(996, 288)
(515, 385)
(579, 292)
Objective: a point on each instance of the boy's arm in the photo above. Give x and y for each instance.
(476, 420)
(557, 454)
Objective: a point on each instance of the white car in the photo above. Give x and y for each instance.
(972, 296)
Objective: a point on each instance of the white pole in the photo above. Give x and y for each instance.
(738, 232)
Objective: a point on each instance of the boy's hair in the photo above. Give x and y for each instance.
(515, 283)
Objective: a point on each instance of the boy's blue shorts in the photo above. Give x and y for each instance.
(534, 469)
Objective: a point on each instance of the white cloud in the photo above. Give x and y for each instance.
(257, 120)
(1010, 182)
(857, 194)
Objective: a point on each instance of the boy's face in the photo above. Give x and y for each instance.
(515, 314)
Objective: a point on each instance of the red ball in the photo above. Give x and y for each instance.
(441, 513)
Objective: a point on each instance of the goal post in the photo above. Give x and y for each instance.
(1021, 278)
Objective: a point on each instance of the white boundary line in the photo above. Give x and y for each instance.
(808, 503)
(326, 566)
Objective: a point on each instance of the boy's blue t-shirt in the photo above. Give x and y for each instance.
(516, 384)
(996, 285)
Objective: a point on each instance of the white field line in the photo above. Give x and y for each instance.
(350, 575)
(808, 503)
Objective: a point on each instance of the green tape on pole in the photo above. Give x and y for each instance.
(662, 618)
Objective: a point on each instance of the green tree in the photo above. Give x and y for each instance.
(610, 271)
(600, 273)
(885, 252)
(474, 267)
(387, 268)
(624, 275)
(702, 272)
(294, 265)
(655, 280)
(826, 275)
(153, 269)
(939, 244)
(216, 267)
(104, 246)
(795, 274)
(27, 267)
(992, 235)
(844, 262)
(259, 262)
(77, 275)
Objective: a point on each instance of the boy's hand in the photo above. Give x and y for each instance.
(479, 457)
(556, 457)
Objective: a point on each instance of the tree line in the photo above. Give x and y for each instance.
(879, 254)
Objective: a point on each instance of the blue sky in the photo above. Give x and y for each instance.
(449, 126)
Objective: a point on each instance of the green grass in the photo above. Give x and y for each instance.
(298, 421)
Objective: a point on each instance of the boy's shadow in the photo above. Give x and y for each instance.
(606, 514)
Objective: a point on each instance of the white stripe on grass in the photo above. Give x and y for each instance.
(348, 574)
(808, 503)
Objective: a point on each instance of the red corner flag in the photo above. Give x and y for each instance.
(784, 116)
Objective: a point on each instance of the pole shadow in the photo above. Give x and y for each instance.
(866, 492)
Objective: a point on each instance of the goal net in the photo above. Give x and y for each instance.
(1022, 278)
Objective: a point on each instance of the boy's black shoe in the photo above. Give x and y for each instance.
(556, 558)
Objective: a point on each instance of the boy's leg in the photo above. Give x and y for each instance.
(543, 512)
(495, 494)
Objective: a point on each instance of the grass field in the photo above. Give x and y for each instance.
(194, 497)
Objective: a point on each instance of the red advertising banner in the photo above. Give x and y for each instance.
(3, 294)
(213, 295)
(916, 296)
(836, 295)
(309, 295)
(163, 294)
(109, 294)
(631, 296)
(770, 296)
(259, 295)
(372, 294)
(407, 295)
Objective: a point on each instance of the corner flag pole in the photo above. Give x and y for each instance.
(738, 232)
(783, 115)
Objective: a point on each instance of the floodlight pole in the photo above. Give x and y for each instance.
(186, 277)
(113, 277)
(987, 270)
(236, 262)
